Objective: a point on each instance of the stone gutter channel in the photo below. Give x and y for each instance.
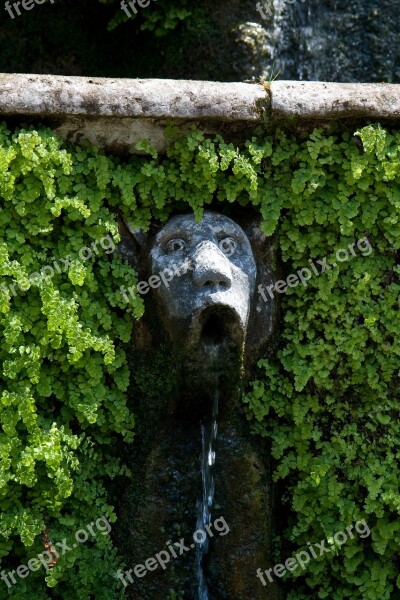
(115, 113)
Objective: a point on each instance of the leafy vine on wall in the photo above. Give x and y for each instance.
(328, 400)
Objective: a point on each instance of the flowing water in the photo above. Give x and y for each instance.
(335, 40)
(204, 506)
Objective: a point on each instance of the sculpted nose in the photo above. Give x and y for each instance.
(211, 267)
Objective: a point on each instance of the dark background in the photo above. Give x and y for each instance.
(337, 40)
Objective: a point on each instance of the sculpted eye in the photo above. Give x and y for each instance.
(175, 245)
(227, 246)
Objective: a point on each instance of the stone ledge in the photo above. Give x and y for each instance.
(332, 101)
(115, 113)
(53, 95)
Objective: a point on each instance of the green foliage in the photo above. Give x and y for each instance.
(328, 399)
(159, 17)
(63, 370)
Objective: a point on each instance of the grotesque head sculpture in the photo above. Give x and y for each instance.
(214, 277)
(205, 278)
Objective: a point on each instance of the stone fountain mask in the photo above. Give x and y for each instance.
(214, 277)
(205, 278)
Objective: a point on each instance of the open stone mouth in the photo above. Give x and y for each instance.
(212, 361)
(218, 325)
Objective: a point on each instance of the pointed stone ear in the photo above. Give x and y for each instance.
(263, 317)
(138, 235)
(133, 242)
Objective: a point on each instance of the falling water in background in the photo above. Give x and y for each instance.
(334, 40)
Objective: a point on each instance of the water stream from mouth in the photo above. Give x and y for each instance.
(209, 429)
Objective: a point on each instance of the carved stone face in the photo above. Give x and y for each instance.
(213, 281)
